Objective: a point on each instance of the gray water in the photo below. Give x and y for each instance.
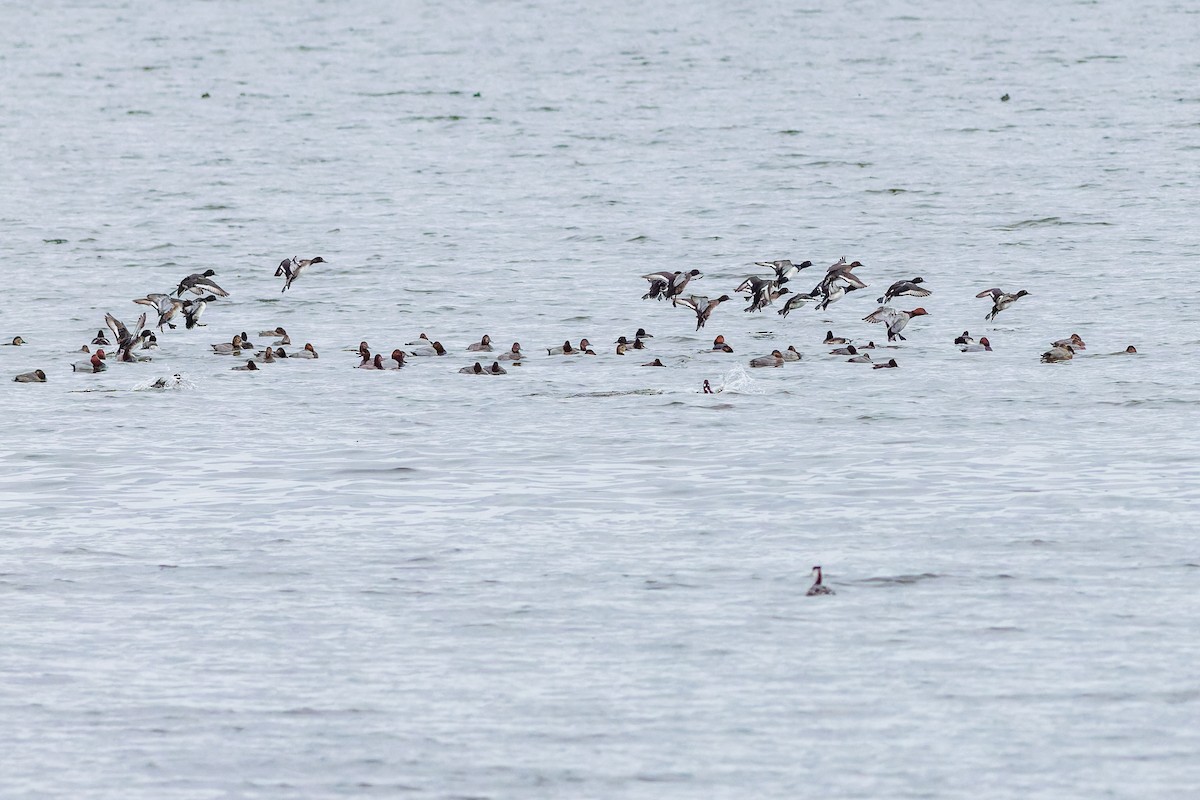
(586, 578)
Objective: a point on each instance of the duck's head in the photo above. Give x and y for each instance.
(918, 312)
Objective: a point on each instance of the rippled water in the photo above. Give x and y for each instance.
(585, 578)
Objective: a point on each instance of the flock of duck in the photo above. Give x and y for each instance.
(193, 295)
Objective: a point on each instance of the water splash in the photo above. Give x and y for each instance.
(737, 381)
(176, 381)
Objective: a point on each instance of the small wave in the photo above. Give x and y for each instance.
(902, 579)
(738, 382)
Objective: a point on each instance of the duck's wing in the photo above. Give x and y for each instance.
(994, 293)
(212, 287)
(692, 301)
(883, 314)
(660, 276)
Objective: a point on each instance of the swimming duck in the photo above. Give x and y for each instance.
(421, 341)
(773, 360)
(95, 364)
(310, 352)
(37, 376)
(84, 349)
(831, 339)
(636, 344)
(966, 338)
(702, 306)
(16, 342)
(269, 356)
(1131, 350)
(1074, 341)
(149, 341)
(364, 350)
(1056, 354)
(904, 288)
(984, 346)
(228, 348)
(435, 350)
(278, 332)
(859, 358)
(895, 320)
(719, 344)
(292, 267)
(475, 370)
(848, 350)
(621, 349)
(567, 349)
(818, 587)
(194, 310)
(496, 369)
(655, 363)
(792, 354)
(513, 354)
(249, 366)
(868, 346)
(101, 338)
(284, 340)
(127, 356)
(395, 362)
(641, 334)
(1000, 300)
(891, 364)
(484, 345)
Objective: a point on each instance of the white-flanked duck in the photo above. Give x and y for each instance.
(702, 306)
(194, 310)
(904, 288)
(421, 341)
(94, 364)
(435, 349)
(311, 352)
(966, 338)
(36, 376)
(668, 285)
(895, 320)
(1000, 300)
(818, 587)
(784, 268)
(567, 350)
(984, 346)
(831, 339)
(484, 345)
(395, 362)
(795, 301)
(201, 283)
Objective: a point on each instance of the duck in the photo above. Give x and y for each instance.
(84, 349)
(292, 267)
(475, 370)
(368, 362)
(364, 350)
(636, 344)
(1057, 354)
(201, 283)
(797, 300)
(484, 345)
(792, 354)
(818, 587)
(277, 332)
(95, 364)
(421, 341)
(621, 349)
(283, 340)
(1000, 300)
(765, 296)
(965, 338)
(16, 342)
(195, 309)
(831, 339)
(720, 346)
(249, 366)
(773, 360)
(904, 288)
(668, 285)
(266, 356)
(149, 341)
(229, 348)
(655, 363)
(984, 346)
(395, 362)
(641, 334)
(848, 350)
(868, 346)
(311, 352)
(101, 338)
(513, 354)
(891, 364)
(127, 356)
(166, 306)
(123, 336)
(37, 376)
(1072, 340)
(895, 320)
(702, 306)
(707, 388)
(1131, 350)
(435, 350)
(496, 369)
(859, 358)
(568, 350)
(784, 268)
